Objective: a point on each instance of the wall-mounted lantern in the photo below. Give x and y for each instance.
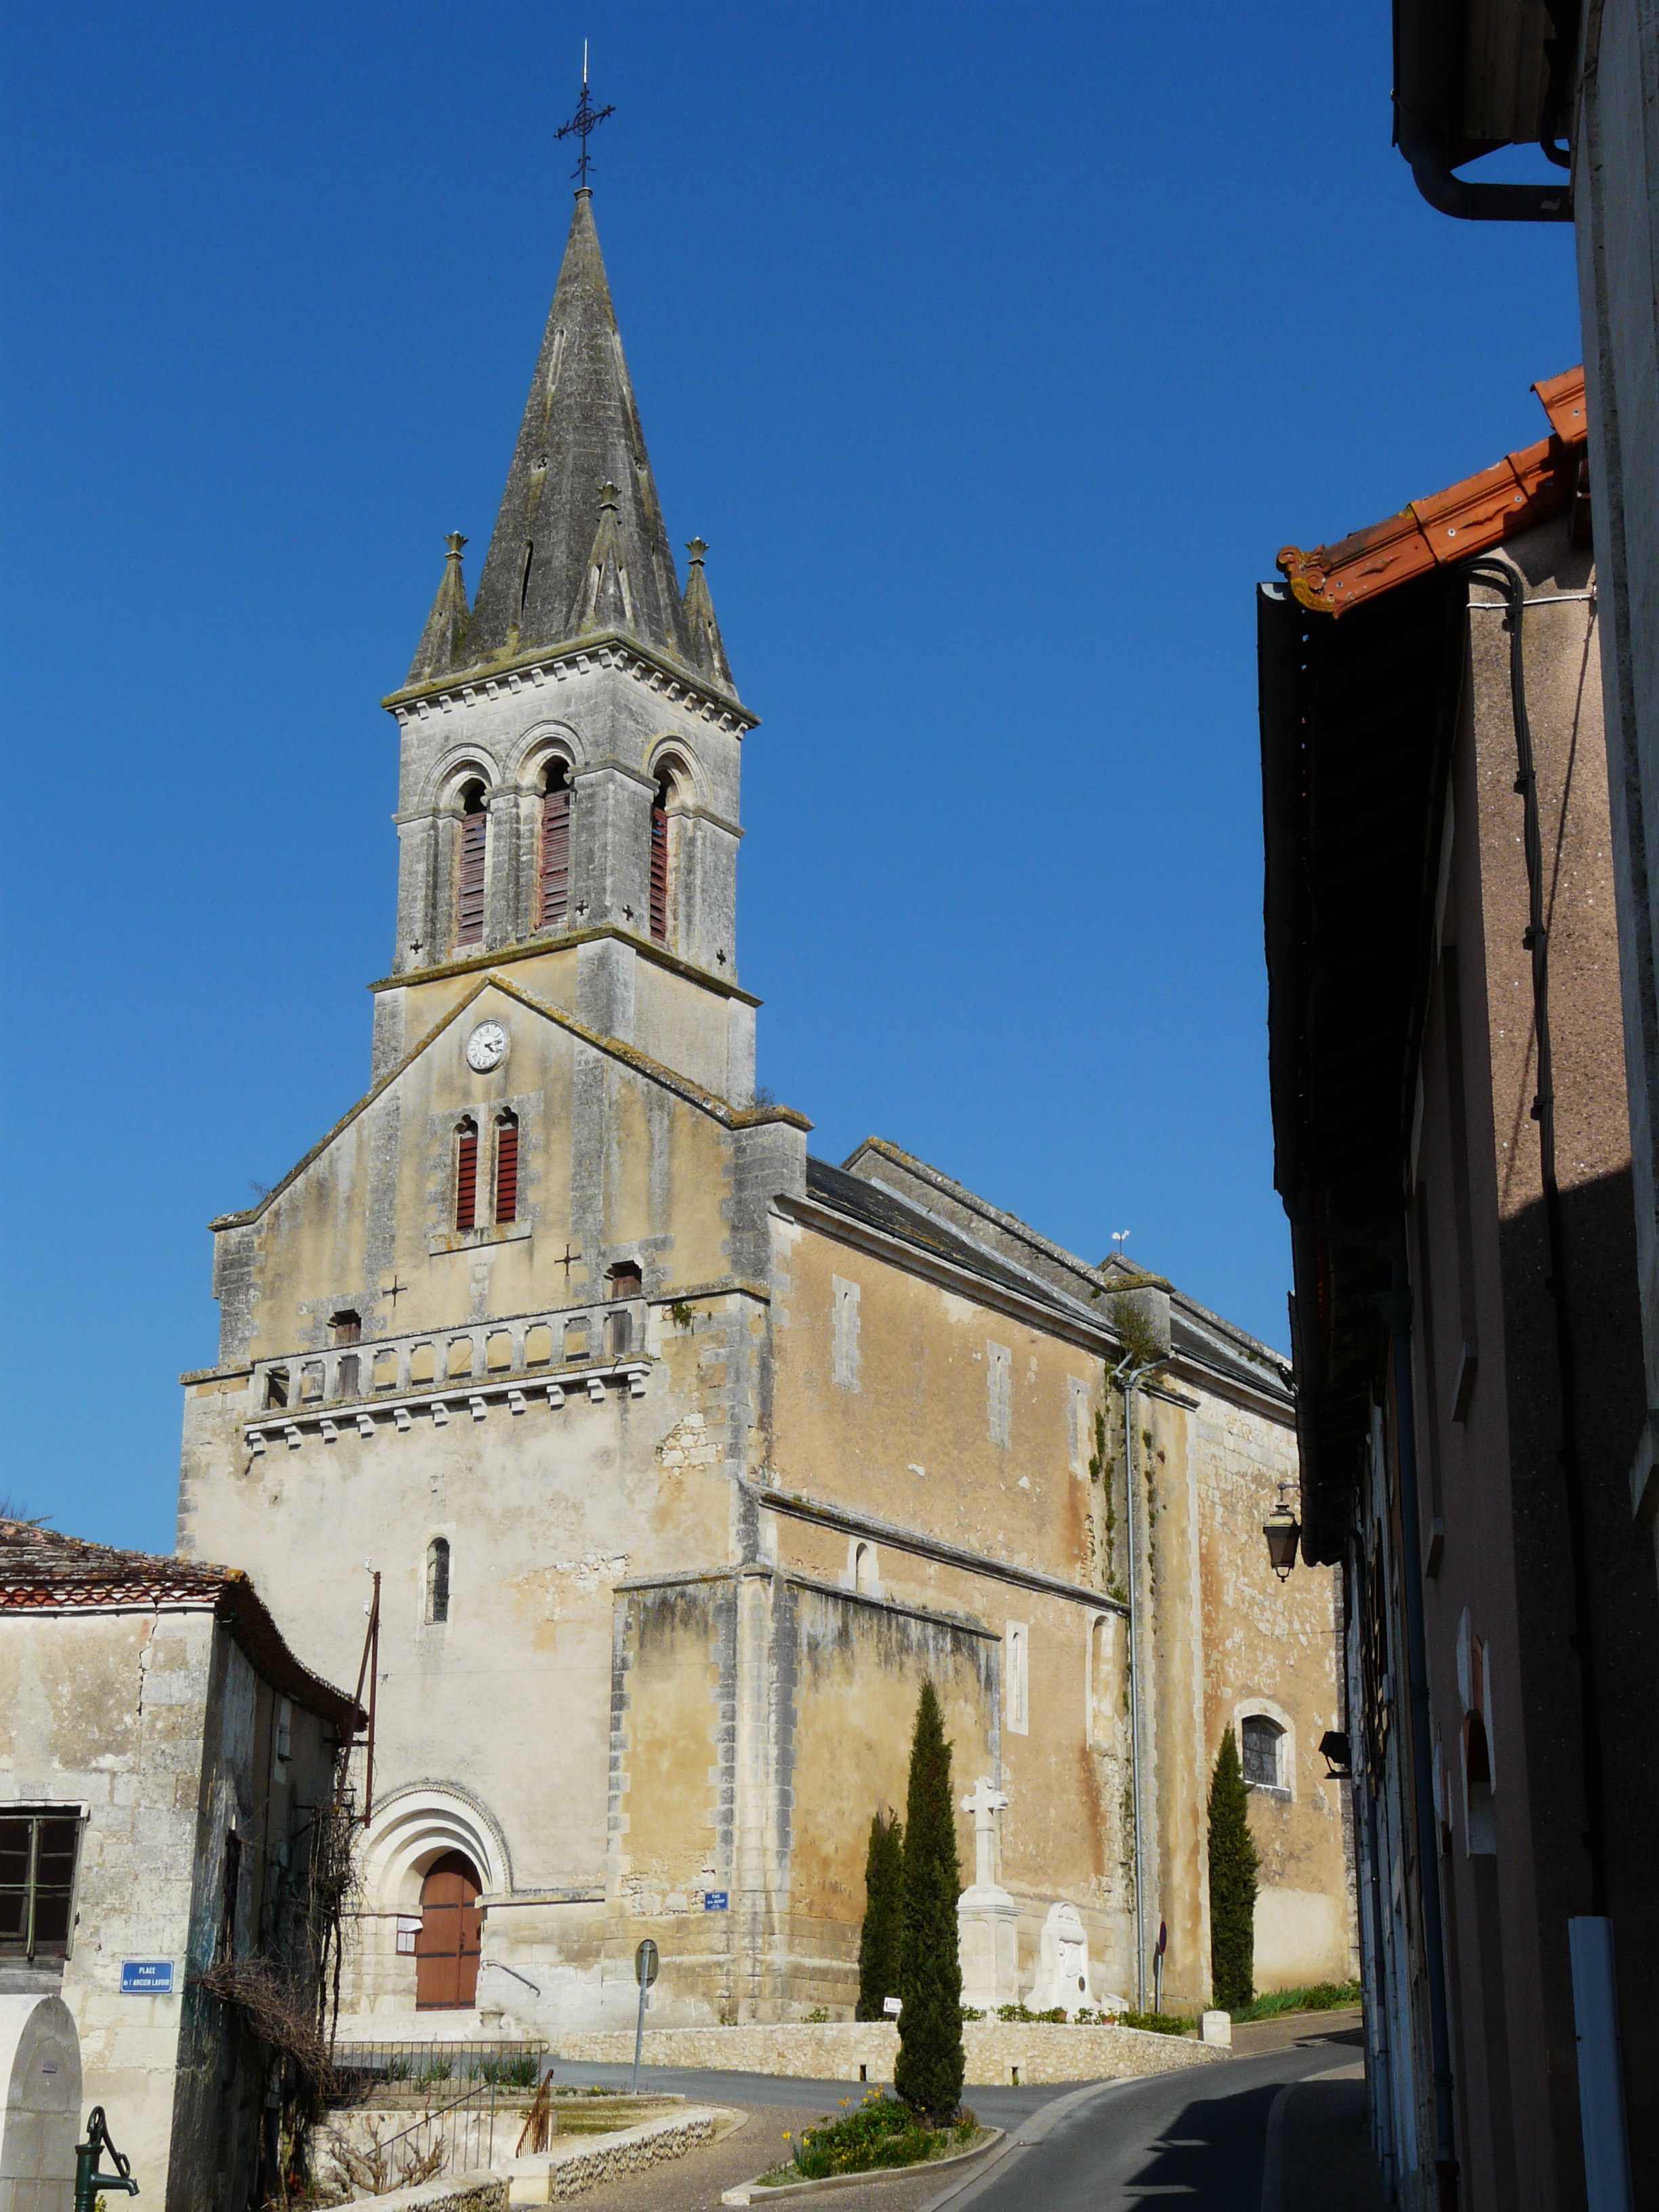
(1284, 1533)
(1338, 1754)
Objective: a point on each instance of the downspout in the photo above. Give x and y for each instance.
(1127, 1376)
(1450, 194)
(1417, 1676)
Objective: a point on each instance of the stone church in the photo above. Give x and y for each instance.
(682, 1456)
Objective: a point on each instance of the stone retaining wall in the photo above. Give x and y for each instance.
(581, 2162)
(465, 2192)
(834, 2051)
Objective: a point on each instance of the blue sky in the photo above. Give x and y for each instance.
(995, 351)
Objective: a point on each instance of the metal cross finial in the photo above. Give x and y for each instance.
(583, 123)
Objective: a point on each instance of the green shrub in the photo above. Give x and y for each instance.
(881, 1940)
(927, 2073)
(1017, 2012)
(1155, 2023)
(880, 2132)
(1233, 1865)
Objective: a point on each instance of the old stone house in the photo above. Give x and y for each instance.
(1452, 1146)
(683, 1457)
(168, 1767)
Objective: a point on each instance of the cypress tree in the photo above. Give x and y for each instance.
(1233, 1863)
(928, 2072)
(881, 1938)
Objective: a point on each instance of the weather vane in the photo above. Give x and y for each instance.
(583, 124)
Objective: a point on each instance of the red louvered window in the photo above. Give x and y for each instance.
(555, 853)
(470, 889)
(507, 1168)
(466, 1175)
(659, 866)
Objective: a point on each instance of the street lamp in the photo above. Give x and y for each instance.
(1283, 1533)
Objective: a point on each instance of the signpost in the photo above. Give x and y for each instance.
(1157, 1965)
(147, 1978)
(647, 1961)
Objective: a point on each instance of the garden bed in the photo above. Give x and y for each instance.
(880, 2135)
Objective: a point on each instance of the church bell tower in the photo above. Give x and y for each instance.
(571, 742)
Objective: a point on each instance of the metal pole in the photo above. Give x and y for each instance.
(638, 2033)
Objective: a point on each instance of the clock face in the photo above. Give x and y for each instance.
(486, 1048)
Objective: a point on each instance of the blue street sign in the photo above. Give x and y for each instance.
(147, 1978)
(716, 1900)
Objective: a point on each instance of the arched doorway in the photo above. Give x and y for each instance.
(447, 1948)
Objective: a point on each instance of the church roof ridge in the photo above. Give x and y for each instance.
(718, 1108)
(580, 467)
(1235, 1346)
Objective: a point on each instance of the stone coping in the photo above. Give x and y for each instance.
(755, 2192)
(997, 2051)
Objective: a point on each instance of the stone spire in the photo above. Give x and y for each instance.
(440, 648)
(580, 434)
(703, 632)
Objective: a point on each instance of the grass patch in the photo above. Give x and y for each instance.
(880, 2132)
(1318, 1996)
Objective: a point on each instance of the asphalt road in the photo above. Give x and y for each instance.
(1200, 2138)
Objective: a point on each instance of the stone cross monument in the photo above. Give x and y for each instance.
(988, 1918)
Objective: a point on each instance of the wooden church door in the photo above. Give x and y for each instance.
(447, 1948)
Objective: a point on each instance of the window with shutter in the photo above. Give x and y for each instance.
(466, 1175)
(507, 1168)
(470, 887)
(660, 867)
(555, 910)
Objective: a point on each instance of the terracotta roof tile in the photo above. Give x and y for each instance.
(1520, 491)
(43, 1571)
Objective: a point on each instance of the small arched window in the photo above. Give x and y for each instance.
(466, 1174)
(506, 1167)
(469, 875)
(660, 805)
(866, 1569)
(554, 910)
(437, 1579)
(1258, 1749)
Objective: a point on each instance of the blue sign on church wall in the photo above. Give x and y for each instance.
(716, 1900)
(147, 1978)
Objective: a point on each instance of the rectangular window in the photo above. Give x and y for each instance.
(470, 895)
(467, 1176)
(37, 1882)
(659, 874)
(845, 1348)
(555, 861)
(1077, 1425)
(507, 1168)
(998, 1392)
(1016, 1651)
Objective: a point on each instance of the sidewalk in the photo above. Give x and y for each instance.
(1319, 2146)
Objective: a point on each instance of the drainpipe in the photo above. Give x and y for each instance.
(1417, 1675)
(1126, 1377)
